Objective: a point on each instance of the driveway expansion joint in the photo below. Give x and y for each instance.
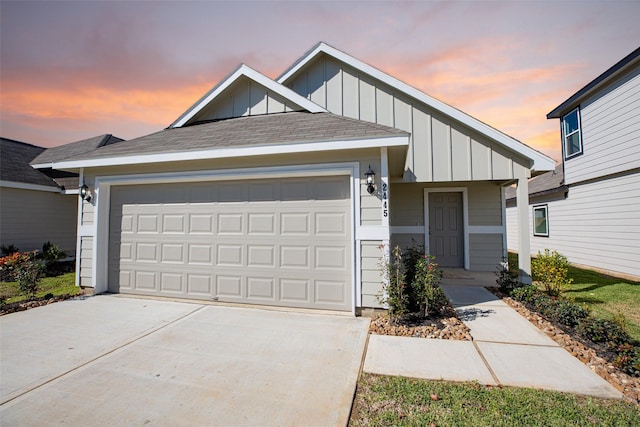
(486, 363)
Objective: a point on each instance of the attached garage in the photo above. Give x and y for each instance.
(282, 242)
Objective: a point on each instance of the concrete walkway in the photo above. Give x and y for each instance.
(506, 350)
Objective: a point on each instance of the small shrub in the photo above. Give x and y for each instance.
(394, 286)
(550, 270)
(410, 259)
(52, 252)
(628, 359)
(525, 294)
(425, 284)
(8, 250)
(506, 279)
(603, 331)
(29, 273)
(570, 314)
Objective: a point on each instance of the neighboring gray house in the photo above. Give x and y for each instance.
(589, 208)
(35, 206)
(258, 193)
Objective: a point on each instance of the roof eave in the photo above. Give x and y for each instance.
(230, 152)
(596, 84)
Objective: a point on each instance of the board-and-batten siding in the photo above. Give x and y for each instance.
(610, 123)
(371, 278)
(244, 98)
(597, 225)
(440, 149)
(29, 218)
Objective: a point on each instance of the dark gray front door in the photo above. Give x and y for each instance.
(446, 234)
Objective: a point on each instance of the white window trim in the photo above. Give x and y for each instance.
(546, 216)
(102, 197)
(565, 136)
(465, 218)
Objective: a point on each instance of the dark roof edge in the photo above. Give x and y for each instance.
(569, 103)
(22, 142)
(561, 189)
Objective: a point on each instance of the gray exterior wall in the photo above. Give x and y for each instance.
(29, 218)
(371, 279)
(485, 226)
(440, 149)
(597, 225)
(610, 123)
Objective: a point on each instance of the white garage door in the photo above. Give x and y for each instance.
(284, 242)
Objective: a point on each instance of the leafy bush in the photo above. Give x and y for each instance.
(425, 284)
(628, 359)
(28, 275)
(525, 294)
(550, 270)
(394, 286)
(570, 314)
(8, 250)
(52, 252)
(507, 279)
(410, 259)
(603, 331)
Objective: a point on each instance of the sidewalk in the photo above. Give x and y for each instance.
(506, 350)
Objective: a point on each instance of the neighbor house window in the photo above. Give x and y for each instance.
(540, 221)
(572, 134)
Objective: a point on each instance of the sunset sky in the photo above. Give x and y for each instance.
(73, 70)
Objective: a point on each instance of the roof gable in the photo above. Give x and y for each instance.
(245, 92)
(539, 160)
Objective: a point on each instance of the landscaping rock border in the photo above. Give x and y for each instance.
(450, 328)
(26, 305)
(629, 386)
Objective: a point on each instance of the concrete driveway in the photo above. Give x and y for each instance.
(112, 360)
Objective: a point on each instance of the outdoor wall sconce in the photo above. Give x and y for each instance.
(370, 177)
(85, 193)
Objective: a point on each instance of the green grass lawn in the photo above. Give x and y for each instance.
(606, 296)
(59, 285)
(397, 401)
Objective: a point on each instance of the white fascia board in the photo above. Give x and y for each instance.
(246, 71)
(25, 186)
(304, 147)
(42, 166)
(541, 162)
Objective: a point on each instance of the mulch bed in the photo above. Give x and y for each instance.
(591, 354)
(444, 325)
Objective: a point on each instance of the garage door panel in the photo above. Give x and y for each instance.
(278, 242)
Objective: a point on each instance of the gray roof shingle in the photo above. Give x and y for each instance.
(74, 149)
(549, 182)
(271, 129)
(14, 163)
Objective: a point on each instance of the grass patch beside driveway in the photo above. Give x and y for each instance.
(64, 284)
(398, 401)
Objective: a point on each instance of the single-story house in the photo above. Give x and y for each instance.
(35, 206)
(283, 192)
(589, 208)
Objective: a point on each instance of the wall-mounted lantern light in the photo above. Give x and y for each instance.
(85, 193)
(370, 177)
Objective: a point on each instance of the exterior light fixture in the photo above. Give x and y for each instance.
(85, 193)
(370, 177)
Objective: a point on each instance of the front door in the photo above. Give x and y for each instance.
(446, 233)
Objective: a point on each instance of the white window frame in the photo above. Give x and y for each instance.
(565, 136)
(546, 217)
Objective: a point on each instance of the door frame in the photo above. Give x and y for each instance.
(465, 217)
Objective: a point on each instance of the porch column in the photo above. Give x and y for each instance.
(524, 244)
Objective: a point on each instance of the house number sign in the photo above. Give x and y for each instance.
(385, 199)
